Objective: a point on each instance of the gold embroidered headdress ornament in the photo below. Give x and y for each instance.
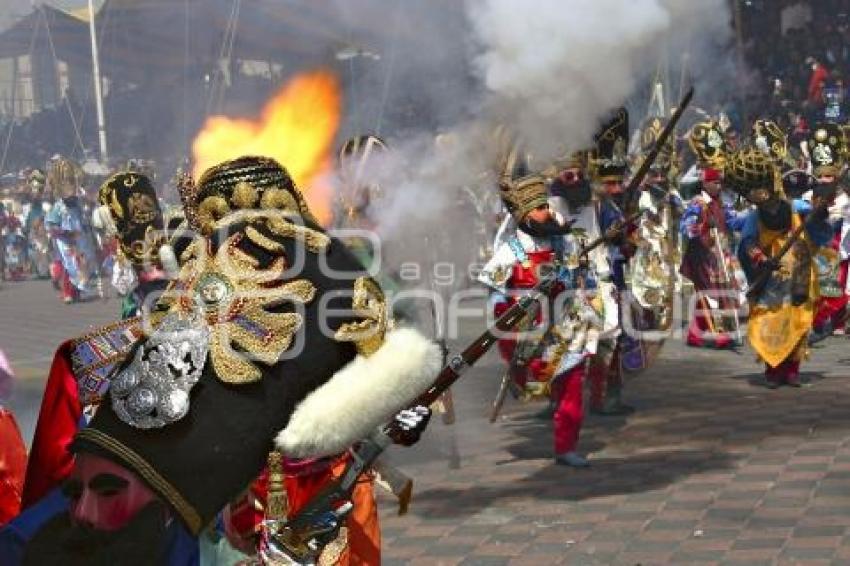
(649, 135)
(708, 144)
(131, 202)
(520, 190)
(770, 139)
(826, 149)
(610, 161)
(750, 169)
(247, 183)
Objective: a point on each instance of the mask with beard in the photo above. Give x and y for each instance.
(139, 543)
(549, 227)
(775, 214)
(576, 194)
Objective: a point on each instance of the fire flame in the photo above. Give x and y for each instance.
(296, 127)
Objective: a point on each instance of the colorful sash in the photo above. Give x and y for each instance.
(94, 356)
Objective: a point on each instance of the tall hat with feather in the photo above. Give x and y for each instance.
(521, 189)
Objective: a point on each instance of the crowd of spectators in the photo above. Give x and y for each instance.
(800, 50)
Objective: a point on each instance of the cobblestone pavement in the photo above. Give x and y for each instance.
(713, 468)
(33, 323)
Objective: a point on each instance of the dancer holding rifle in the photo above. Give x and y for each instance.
(548, 359)
(777, 249)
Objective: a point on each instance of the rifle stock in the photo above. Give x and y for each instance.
(505, 323)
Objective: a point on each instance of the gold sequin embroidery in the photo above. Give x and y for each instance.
(235, 296)
(263, 241)
(209, 212)
(245, 195)
(313, 239)
(369, 303)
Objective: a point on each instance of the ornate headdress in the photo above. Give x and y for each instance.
(65, 177)
(826, 149)
(610, 159)
(243, 184)
(750, 169)
(358, 190)
(134, 209)
(358, 149)
(523, 195)
(569, 160)
(649, 135)
(708, 143)
(769, 138)
(521, 191)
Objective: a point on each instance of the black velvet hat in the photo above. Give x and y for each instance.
(610, 159)
(135, 211)
(258, 318)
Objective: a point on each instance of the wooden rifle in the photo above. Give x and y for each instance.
(519, 360)
(637, 178)
(762, 277)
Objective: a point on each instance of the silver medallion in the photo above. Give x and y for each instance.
(153, 391)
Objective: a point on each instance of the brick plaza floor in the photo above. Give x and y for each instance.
(713, 468)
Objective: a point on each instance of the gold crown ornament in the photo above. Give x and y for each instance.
(769, 138)
(707, 142)
(826, 149)
(749, 170)
(259, 189)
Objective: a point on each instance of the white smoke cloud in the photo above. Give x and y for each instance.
(553, 69)
(547, 69)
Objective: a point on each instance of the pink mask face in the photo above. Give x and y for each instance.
(103, 495)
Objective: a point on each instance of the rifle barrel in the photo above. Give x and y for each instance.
(472, 353)
(761, 278)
